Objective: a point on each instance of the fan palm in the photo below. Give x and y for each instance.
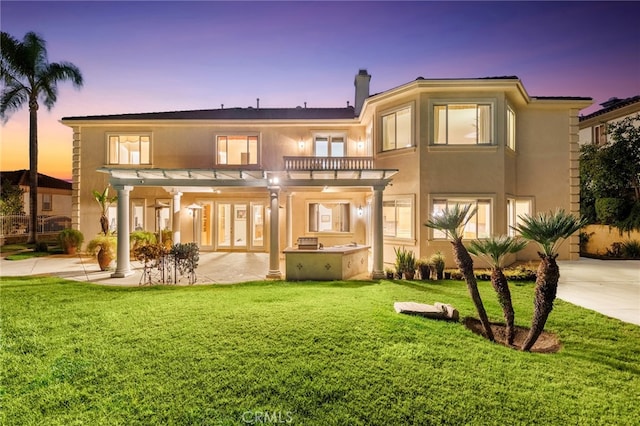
(28, 78)
(453, 221)
(548, 230)
(494, 250)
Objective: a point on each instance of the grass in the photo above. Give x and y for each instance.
(304, 353)
(28, 251)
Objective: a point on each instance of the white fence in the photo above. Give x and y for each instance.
(17, 225)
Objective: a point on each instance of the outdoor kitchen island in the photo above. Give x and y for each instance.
(326, 264)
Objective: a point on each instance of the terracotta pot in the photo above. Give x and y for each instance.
(104, 260)
(408, 275)
(70, 249)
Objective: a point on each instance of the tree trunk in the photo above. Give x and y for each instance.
(104, 224)
(500, 285)
(547, 278)
(465, 264)
(33, 171)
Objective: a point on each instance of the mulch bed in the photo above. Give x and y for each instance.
(546, 343)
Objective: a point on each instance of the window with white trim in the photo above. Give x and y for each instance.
(329, 145)
(511, 128)
(112, 215)
(129, 149)
(329, 216)
(47, 202)
(516, 208)
(397, 217)
(463, 124)
(478, 226)
(397, 129)
(237, 150)
(600, 134)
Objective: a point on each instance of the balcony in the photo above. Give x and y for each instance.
(328, 163)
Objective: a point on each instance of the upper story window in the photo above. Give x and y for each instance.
(462, 124)
(237, 150)
(47, 202)
(511, 128)
(129, 149)
(396, 129)
(600, 134)
(331, 216)
(329, 146)
(478, 226)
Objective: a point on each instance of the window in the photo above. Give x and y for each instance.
(479, 226)
(515, 209)
(329, 146)
(396, 129)
(397, 217)
(329, 217)
(47, 202)
(112, 215)
(511, 128)
(462, 124)
(163, 214)
(129, 149)
(137, 215)
(599, 134)
(237, 150)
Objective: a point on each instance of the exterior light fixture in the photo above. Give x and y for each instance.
(301, 145)
(360, 145)
(360, 211)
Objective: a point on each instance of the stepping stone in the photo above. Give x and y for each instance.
(437, 311)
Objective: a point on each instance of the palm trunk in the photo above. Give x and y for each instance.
(33, 171)
(501, 286)
(547, 278)
(104, 224)
(465, 264)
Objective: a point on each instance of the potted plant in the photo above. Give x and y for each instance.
(141, 238)
(70, 240)
(103, 199)
(401, 256)
(389, 273)
(104, 248)
(424, 268)
(437, 260)
(410, 265)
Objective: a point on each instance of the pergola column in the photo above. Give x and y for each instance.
(289, 219)
(274, 239)
(378, 244)
(176, 216)
(123, 265)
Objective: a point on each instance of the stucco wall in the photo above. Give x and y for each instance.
(602, 236)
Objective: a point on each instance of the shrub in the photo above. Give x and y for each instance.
(41, 247)
(105, 242)
(610, 210)
(631, 248)
(141, 238)
(70, 239)
(632, 221)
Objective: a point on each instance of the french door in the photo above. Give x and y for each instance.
(231, 225)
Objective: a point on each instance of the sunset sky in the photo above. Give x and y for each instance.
(166, 56)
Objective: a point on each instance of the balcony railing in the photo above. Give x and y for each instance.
(328, 163)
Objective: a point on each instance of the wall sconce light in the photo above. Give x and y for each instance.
(274, 180)
(360, 145)
(301, 145)
(360, 211)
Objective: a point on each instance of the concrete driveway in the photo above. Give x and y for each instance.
(611, 287)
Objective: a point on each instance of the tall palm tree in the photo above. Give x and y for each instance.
(548, 230)
(494, 250)
(453, 221)
(28, 78)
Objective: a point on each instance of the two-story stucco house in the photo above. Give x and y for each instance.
(593, 127)
(256, 179)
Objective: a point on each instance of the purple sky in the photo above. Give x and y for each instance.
(163, 56)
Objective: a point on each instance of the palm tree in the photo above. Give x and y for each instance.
(103, 199)
(548, 230)
(494, 251)
(28, 78)
(452, 221)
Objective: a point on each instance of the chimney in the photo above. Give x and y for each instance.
(362, 89)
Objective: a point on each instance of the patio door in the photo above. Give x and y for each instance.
(240, 226)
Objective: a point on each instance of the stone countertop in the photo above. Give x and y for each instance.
(346, 248)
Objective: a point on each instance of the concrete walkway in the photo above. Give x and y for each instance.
(611, 287)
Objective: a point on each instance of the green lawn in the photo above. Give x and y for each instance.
(304, 353)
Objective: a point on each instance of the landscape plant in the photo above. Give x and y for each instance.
(70, 240)
(437, 260)
(452, 221)
(104, 201)
(494, 251)
(548, 230)
(28, 78)
(104, 248)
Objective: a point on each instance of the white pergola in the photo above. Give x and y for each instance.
(176, 180)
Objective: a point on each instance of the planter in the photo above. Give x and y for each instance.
(425, 272)
(70, 249)
(408, 275)
(104, 259)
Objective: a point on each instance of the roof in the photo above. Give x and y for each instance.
(21, 178)
(611, 105)
(250, 113)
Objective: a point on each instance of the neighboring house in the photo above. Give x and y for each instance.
(593, 127)
(256, 179)
(54, 195)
